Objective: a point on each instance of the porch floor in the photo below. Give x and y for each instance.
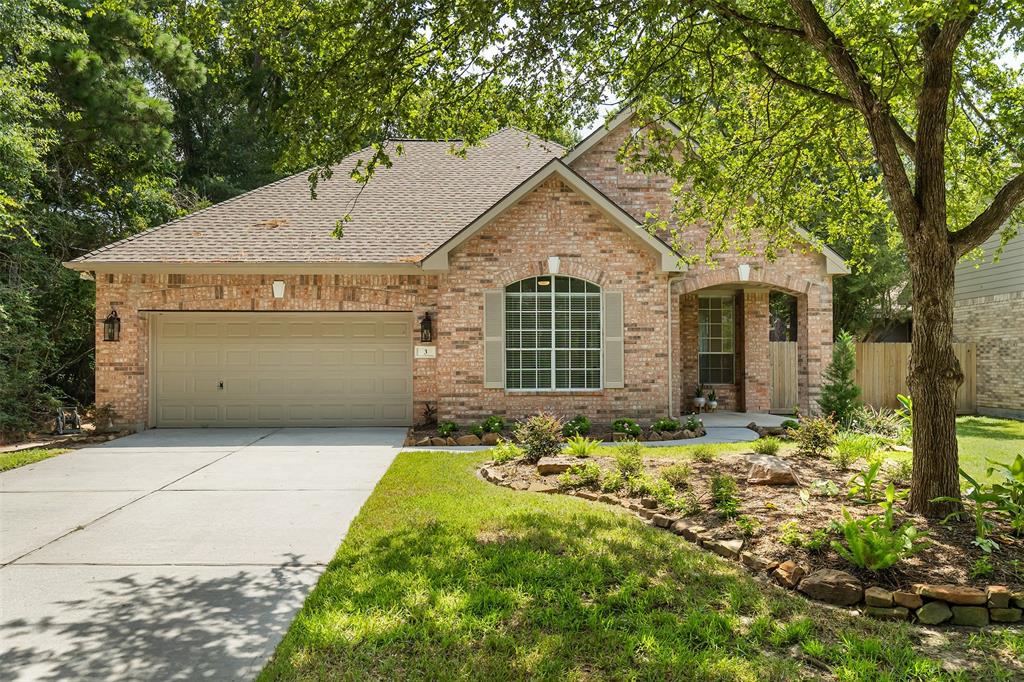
(722, 418)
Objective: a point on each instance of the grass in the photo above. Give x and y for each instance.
(444, 576)
(13, 460)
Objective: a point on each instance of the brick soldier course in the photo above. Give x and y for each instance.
(585, 212)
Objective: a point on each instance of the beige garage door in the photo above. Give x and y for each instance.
(282, 369)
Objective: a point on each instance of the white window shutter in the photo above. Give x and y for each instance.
(494, 339)
(614, 357)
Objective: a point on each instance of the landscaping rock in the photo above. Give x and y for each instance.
(976, 616)
(954, 594)
(661, 521)
(998, 596)
(757, 562)
(619, 437)
(679, 526)
(1018, 600)
(539, 487)
(692, 533)
(608, 499)
(730, 549)
(646, 513)
(933, 613)
(468, 439)
(649, 503)
(832, 586)
(686, 433)
(423, 441)
(907, 599)
(770, 470)
(1006, 615)
(450, 441)
(887, 613)
(554, 465)
(490, 438)
(439, 442)
(877, 596)
(492, 476)
(788, 574)
(588, 495)
(519, 485)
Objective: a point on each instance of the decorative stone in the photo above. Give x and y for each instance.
(877, 596)
(679, 526)
(423, 441)
(976, 616)
(756, 562)
(770, 470)
(661, 521)
(1005, 615)
(439, 442)
(933, 613)
(907, 599)
(468, 439)
(998, 596)
(554, 465)
(686, 433)
(832, 586)
(649, 503)
(692, 534)
(1018, 600)
(788, 573)
(887, 613)
(619, 437)
(450, 441)
(519, 485)
(608, 499)
(646, 513)
(954, 594)
(539, 487)
(730, 549)
(490, 438)
(588, 495)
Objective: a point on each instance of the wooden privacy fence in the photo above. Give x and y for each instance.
(783, 360)
(882, 373)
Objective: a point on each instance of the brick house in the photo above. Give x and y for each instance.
(988, 309)
(529, 264)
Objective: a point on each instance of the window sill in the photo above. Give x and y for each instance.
(553, 391)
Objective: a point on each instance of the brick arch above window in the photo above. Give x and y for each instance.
(568, 266)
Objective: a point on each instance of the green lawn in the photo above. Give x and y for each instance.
(444, 576)
(13, 460)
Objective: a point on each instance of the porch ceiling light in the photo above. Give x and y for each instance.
(278, 287)
(554, 262)
(744, 272)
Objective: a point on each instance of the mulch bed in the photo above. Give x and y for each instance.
(948, 558)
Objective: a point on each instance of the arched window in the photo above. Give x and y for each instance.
(552, 334)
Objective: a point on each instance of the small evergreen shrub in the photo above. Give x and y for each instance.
(577, 426)
(816, 437)
(693, 423)
(627, 426)
(477, 430)
(506, 451)
(747, 526)
(445, 429)
(665, 424)
(612, 482)
(853, 446)
(790, 424)
(539, 436)
(724, 495)
(580, 446)
(629, 459)
(494, 424)
(677, 475)
(704, 453)
(767, 445)
(839, 392)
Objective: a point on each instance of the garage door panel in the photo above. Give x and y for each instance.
(293, 369)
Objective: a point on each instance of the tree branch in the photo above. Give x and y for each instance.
(1006, 201)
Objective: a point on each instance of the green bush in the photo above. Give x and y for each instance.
(539, 436)
(445, 429)
(577, 426)
(724, 495)
(506, 451)
(767, 445)
(665, 424)
(816, 437)
(876, 542)
(584, 475)
(25, 346)
(704, 453)
(881, 422)
(851, 447)
(477, 430)
(627, 426)
(640, 485)
(629, 459)
(580, 446)
(612, 482)
(839, 392)
(789, 534)
(790, 424)
(677, 475)
(693, 423)
(819, 541)
(863, 484)
(494, 424)
(747, 526)
(901, 473)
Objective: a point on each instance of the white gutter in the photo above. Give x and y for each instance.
(668, 290)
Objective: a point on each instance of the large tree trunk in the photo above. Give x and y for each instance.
(934, 377)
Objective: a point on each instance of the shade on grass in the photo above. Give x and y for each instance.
(444, 576)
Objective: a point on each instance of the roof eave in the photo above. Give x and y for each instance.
(244, 267)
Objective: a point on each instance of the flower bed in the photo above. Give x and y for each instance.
(431, 436)
(777, 518)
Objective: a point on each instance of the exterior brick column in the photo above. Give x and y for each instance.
(814, 342)
(756, 369)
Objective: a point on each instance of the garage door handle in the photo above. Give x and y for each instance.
(220, 385)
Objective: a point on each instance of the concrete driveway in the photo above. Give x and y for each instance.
(174, 554)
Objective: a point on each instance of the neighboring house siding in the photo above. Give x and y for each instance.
(989, 310)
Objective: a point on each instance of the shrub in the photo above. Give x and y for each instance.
(494, 424)
(790, 424)
(506, 451)
(580, 446)
(665, 424)
(982, 567)
(665, 493)
(445, 429)
(627, 426)
(747, 526)
(789, 534)
(693, 423)
(629, 459)
(853, 446)
(767, 445)
(477, 430)
(819, 541)
(863, 484)
(900, 474)
(704, 453)
(612, 482)
(539, 436)
(875, 542)
(677, 475)
(723, 495)
(839, 392)
(640, 485)
(577, 426)
(882, 422)
(585, 475)
(815, 437)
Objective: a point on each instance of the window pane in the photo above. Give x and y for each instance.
(529, 284)
(561, 284)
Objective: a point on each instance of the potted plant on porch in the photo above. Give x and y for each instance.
(698, 398)
(712, 400)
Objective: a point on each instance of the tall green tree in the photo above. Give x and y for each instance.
(839, 392)
(830, 116)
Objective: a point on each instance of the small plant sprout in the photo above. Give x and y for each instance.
(581, 446)
(863, 484)
(506, 451)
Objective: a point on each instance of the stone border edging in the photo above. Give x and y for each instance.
(923, 604)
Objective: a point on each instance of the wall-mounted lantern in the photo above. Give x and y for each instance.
(744, 272)
(278, 286)
(426, 329)
(112, 327)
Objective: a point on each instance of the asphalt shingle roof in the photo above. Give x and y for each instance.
(402, 214)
